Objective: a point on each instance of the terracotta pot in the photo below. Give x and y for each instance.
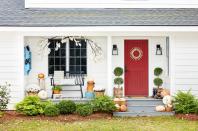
(99, 93)
(32, 94)
(56, 91)
(118, 92)
(90, 86)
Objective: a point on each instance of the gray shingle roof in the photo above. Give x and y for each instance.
(13, 13)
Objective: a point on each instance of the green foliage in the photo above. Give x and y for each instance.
(4, 96)
(118, 81)
(158, 82)
(51, 110)
(66, 107)
(185, 103)
(118, 71)
(103, 104)
(84, 109)
(59, 88)
(158, 71)
(32, 106)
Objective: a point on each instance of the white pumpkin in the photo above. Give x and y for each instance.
(160, 108)
(167, 100)
(42, 94)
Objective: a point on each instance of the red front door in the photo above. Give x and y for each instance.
(136, 67)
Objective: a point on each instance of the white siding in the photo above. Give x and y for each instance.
(10, 65)
(186, 62)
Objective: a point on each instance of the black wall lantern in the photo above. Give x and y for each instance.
(115, 50)
(158, 50)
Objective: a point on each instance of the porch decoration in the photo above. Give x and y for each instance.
(136, 53)
(167, 100)
(158, 82)
(32, 90)
(56, 89)
(96, 50)
(118, 91)
(99, 91)
(42, 94)
(120, 104)
(90, 89)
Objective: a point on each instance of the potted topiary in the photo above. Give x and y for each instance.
(157, 82)
(56, 89)
(118, 72)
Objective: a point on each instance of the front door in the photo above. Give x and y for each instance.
(136, 67)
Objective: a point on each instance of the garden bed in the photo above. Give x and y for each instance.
(192, 117)
(12, 115)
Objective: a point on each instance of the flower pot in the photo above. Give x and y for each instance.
(99, 93)
(56, 91)
(32, 93)
(118, 92)
(168, 109)
(154, 91)
(90, 86)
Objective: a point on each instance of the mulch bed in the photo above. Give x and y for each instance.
(12, 115)
(192, 117)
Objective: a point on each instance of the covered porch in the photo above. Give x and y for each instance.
(95, 57)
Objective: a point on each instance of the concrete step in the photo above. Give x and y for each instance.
(144, 102)
(141, 108)
(132, 114)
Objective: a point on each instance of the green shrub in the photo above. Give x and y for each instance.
(32, 106)
(185, 103)
(51, 110)
(158, 82)
(4, 96)
(118, 81)
(59, 88)
(66, 107)
(84, 109)
(158, 71)
(118, 71)
(103, 104)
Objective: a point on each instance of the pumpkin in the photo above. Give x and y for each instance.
(165, 92)
(167, 100)
(117, 107)
(41, 76)
(42, 94)
(160, 108)
(123, 108)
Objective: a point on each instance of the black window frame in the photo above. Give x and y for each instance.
(56, 62)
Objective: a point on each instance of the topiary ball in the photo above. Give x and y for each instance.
(118, 71)
(66, 107)
(158, 81)
(158, 71)
(51, 110)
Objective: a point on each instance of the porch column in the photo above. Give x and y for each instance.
(109, 66)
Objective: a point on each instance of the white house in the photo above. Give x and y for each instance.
(137, 33)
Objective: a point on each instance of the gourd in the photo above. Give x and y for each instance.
(160, 108)
(123, 108)
(42, 95)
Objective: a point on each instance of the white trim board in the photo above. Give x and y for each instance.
(111, 4)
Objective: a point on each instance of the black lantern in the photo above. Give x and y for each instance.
(158, 50)
(115, 50)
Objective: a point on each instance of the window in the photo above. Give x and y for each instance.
(68, 58)
(78, 57)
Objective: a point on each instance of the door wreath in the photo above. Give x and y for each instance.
(136, 53)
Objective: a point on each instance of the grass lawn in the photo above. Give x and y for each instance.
(117, 124)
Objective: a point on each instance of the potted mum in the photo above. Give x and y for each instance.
(118, 72)
(32, 90)
(56, 89)
(99, 91)
(157, 82)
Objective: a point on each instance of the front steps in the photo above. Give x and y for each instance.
(142, 107)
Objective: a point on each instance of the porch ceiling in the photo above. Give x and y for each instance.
(13, 13)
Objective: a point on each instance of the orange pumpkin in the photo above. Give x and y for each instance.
(123, 108)
(41, 76)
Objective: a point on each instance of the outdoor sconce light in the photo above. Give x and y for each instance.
(115, 50)
(158, 50)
